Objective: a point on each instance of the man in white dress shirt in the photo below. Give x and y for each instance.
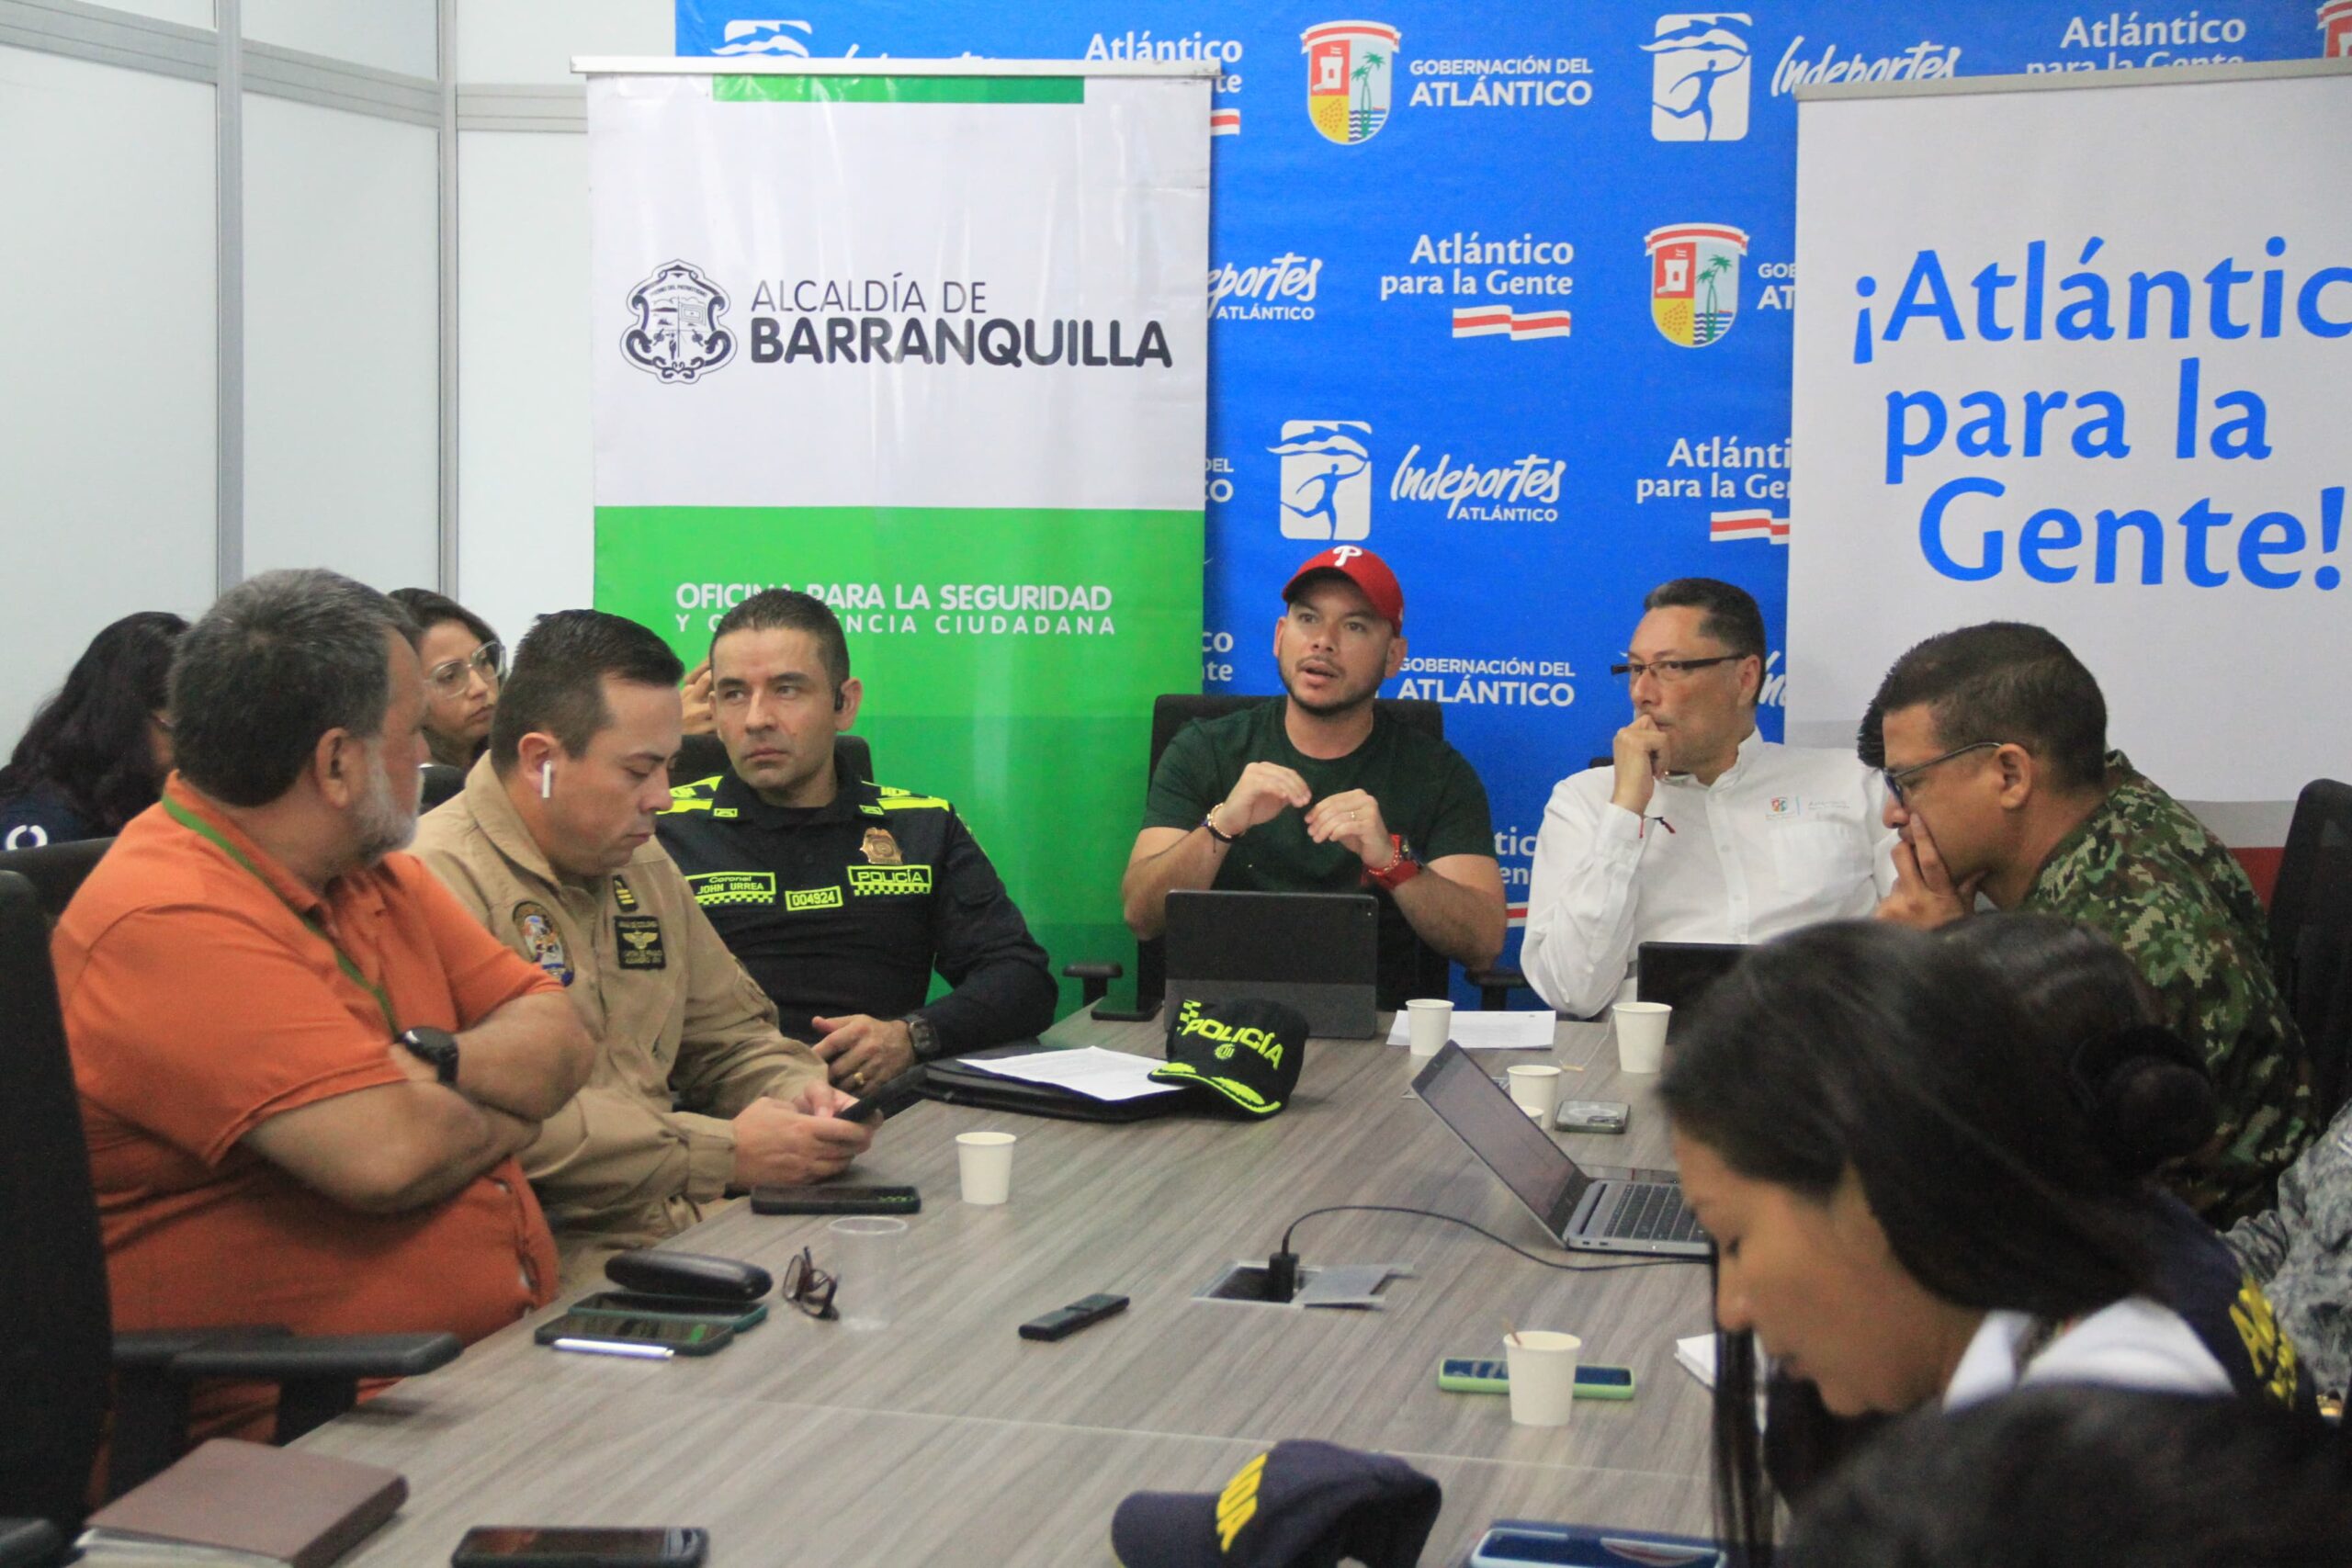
(1700, 830)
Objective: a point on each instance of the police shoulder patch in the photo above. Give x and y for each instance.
(697, 795)
(907, 800)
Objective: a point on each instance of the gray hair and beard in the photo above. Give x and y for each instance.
(386, 821)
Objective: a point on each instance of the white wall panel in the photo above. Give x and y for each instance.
(107, 412)
(341, 347)
(518, 41)
(186, 12)
(525, 452)
(391, 35)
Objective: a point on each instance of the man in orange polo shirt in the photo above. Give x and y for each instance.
(304, 1069)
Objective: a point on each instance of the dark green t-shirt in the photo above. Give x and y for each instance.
(1427, 790)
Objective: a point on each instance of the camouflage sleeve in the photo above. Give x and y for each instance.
(2260, 1240)
(2217, 994)
(2145, 870)
(2301, 1251)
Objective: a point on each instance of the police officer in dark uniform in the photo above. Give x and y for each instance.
(840, 897)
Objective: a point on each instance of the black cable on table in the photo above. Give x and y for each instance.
(1282, 1269)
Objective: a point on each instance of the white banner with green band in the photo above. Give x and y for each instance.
(930, 343)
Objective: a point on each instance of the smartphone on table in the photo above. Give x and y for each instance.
(680, 1336)
(736, 1315)
(1516, 1543)
(532, 1546)
(1476, 1374)
(1591, 1116)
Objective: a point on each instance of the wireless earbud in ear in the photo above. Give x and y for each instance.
(547, 780)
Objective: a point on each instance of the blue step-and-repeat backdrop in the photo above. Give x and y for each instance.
(1504, 291)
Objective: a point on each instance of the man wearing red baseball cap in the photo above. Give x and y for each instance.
(1314, 792)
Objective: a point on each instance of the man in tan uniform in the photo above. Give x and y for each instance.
(550, 844)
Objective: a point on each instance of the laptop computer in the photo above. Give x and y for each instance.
(1632, 1210)
(1318, 952)
(1679, 973)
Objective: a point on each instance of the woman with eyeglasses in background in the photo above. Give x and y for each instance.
(463, 665)
(96, 754)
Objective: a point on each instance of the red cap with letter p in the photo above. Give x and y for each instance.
(1363, 568)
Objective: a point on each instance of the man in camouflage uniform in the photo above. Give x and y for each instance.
(2301, 1254)
(1994, 740)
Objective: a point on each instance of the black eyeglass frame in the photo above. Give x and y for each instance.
(809, 1288)
(1633, 671)
(1894, 776)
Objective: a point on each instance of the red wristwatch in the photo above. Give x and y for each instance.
(1401, 868)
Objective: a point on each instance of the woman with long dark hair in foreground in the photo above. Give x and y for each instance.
(1908, 1203)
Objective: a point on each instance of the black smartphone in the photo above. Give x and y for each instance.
(1512, 1544)
(642, 1304)
(681, 1335)
(830, 1199)
(1590, 1116)
(886, 1100)
(530, 1546)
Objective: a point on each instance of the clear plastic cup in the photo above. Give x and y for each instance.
(865, 1249)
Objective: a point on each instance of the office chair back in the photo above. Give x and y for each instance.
(438, 782)
(1170, 713)
(2311, 934)
(56, 870)
(57, 1345)
(701, 756)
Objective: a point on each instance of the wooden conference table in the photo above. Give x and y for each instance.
(945, 1438)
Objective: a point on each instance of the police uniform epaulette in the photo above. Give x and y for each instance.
(696, 796)
(902, 800)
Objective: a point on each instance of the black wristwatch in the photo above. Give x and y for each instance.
(921, 1036)
(437, 1046)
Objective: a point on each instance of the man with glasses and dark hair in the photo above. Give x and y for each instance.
(550, 844)
(1994, 742)
(304, 1068)
(1700, 829)
(839, 895)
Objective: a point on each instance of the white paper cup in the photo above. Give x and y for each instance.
(865, 1260)
(1536, 1089)
(986, 1161)
(1542, 1376)
(1641, 1035)
(1427, 1026)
